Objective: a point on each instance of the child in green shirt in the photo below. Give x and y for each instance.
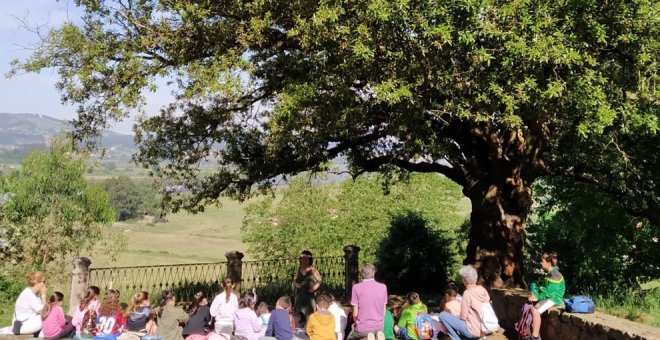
(413, 307)
(549, 294)
(393, 308)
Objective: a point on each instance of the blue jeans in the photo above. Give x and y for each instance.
(456, 328)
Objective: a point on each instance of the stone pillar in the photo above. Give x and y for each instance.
(79, 277)
(235, 269)
(351, 256)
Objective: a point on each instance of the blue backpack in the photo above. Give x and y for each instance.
(579, 304)
(424, 326)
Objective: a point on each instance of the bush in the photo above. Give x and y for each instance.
(414, 257)
(132, 199)
(600, 246)
(11, 285)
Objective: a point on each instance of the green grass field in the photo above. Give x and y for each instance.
(184, 238)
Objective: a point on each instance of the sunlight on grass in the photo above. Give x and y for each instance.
(639, 306)
(184, 238)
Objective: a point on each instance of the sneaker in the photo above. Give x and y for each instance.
(380, 336)
(371, 336)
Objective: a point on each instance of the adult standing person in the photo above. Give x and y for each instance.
(468, 324)
(369, 299)
(28, 307)
(307, 281)
(223, 308)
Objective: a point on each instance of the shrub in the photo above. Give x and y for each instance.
(414, 257)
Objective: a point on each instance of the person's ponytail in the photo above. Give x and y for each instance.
(92, 293)
(54, 298)
(167, 295)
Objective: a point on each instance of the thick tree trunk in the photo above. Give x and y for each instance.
(499, 212)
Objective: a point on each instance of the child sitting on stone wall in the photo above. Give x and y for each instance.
(550, 293)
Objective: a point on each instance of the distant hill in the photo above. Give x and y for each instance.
(21, 133)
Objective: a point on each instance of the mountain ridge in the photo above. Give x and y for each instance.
(33, 129)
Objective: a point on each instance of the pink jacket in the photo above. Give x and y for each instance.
(471, 306)
(54, 322)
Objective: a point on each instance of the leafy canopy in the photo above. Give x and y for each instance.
(479, 90)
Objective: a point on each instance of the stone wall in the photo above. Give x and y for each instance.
(566, 326)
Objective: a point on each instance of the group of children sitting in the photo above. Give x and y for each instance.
(104, 319)
(403, 315)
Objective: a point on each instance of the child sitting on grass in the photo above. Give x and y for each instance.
(406, 326)
(340, 317)
(392, 310)
(279, 325)
(171, 317)
(110, 321)
(89, 303)
(55, 325)
(138, 314)
(264, 314)
(452, 305)
(321, 324)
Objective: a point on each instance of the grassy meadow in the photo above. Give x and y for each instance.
(184, 238)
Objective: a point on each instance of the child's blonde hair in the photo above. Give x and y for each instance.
(262, 308)
(136, 300)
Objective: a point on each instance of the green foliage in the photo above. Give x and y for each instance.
(48, 210)
(414, 257)
(131, 199)
(632, 304)
(325, 218)
(493, 94)
(16, 155)
(434, 77)
(12, 282)
(601, 247)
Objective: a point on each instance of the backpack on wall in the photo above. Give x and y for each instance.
(489, 321)
(579, 304)
(524, 325)
(424, 326)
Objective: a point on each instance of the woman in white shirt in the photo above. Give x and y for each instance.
(28, 306)
(223, 308)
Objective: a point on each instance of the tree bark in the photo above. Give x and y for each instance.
(495, 247)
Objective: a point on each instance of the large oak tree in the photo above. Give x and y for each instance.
(491, 94)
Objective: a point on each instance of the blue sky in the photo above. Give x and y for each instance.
(36, 93)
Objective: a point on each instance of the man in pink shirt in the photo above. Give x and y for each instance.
(368, 299)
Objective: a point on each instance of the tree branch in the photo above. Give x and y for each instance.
(373, 164)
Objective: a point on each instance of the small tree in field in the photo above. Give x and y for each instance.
(48, 210)
(132, 199)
